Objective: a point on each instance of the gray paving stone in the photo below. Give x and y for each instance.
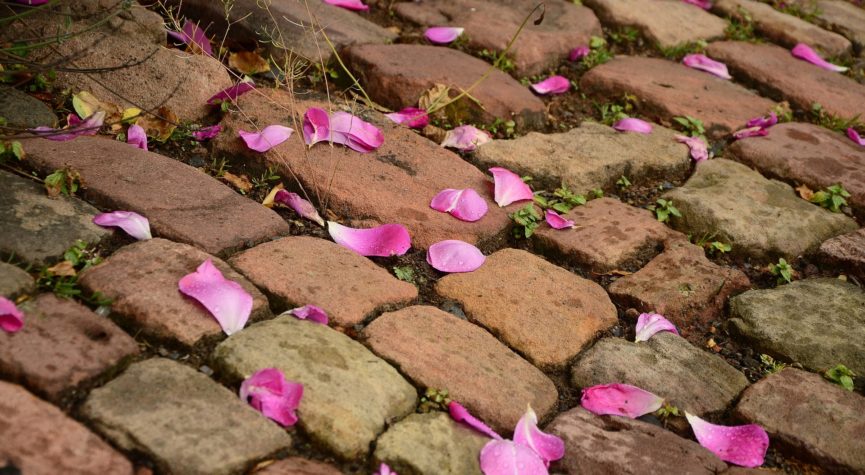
(23, 110)
(666, 23)
(14, 281)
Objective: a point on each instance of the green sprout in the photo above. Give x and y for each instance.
(782, 270)
(832, 198)
(841, 375)
(664, 209)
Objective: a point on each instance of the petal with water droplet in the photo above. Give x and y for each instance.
(504, 457)
(620, 400)
(272, 395)
(133, 223)
(548, 447)
(454, 256)
(466, 205)
(509, 187)
(461, 414)
(650, 323)
(225, 299)
(744, 445)
(383, 241)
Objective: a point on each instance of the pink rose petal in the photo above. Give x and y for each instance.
(704, 63)
(854, 136)
(354, 132)
(133, 223)
(461, 414)
(579, 52)
(465, 138)
(272, 395)
(650, 323)
(465, 205)
(232, 93)
(704, 4)
(207, 133)
(763, 122)
(355, 5)
(11, 319)
(699, 149)
(552, 85)
(741, 445)
(750, 132)
(136, 136)
(509, 187)
(806, 53)
(269, 137)
(442, 35)
(76, 128)
(454, 256)
(410, 116)
(620, 400)
(226, 300)
(300, 206)
(193, 34)
(556, 221)
(548, 447)
(310, 312)
(316, 126)
(633, 125)
(383, 469)
(504, 457)
(383, 241)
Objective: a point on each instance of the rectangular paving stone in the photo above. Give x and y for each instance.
(666, 89)
(846, 252)
(780, 75)
(843, 18)
(298, 466)
(14, 281)
(182, 203)
(182, 420)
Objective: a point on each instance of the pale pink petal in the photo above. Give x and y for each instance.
(763, 122)
(698, 147)
(89, 126)
(650, 323)
(207, 133)
(410, 116)
(11, 319)
(269, 137)
(383, 241)
(504, 457)
(465, 205)
(354, 132)
(548, 447)
(704, 4)
(704, 63)
(302, 207)
(556, 221)
(442, 35)
(465, 138)
(806, 53)
(633, 125)
(133, 223)
(509, 187)
(579, 52)
(232, 93)
(552, 85)
(854, 136)
(310, 312)
(136, 136)
(226, 300)
(454, 256)
(461, 414)
(741, 445)
(316, 126)
(750, 132)
(356, 5)
(271, 394)
(620, 400)
(383, 469)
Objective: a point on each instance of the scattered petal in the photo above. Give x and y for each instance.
(854, 136)
(316, 126)
(89, 126)
(465, 205)
(195, 36)
(504, 457)
(310, 312)
(410, 116)
(633, 125)
(461, 414)
(750, 132)
(556, 221)
(302, 207)
(509, 187)
(552, 85)
(620, 400)
(383, 241)
(704, 63)
(454, 256)
(763, 122)
(698, 147)
(354, 132)
(135, 135)
(269, 137)
(579, 52)
(650, 323)
(133, 223)
(383, 469)
(207, 133)
(465, 138)
(741, 445)
(704, 4)
(225, 299)
(806, 53)
(356, 5)
(232, 93)
(548, 447)
(272, 395)
(442, 35)
(11, 319)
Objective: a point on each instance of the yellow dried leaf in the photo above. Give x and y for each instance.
(130, 115)
(157, 128)
(434, 96)
(248, 62)
(63, 269)
(805, 192)
(241, 182)
(268, 200)
(85, 104)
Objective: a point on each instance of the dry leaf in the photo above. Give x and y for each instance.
(241, 182)
(63, 269)
(434, 96)
(85, 104)
(268, 200)
(805, 192)
(248, 62)
(157, 128)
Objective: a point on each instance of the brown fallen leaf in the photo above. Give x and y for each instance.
(805, 192)
(63, 269)
(248, 62)
(268, 200)
(434, 96)
(241, 182)
(156, 127)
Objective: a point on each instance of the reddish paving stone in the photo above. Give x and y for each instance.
(841, 17)
(438, 350)
(182, 203)
(61, 345)
(667, 89)
(775, 71)
(393, 184)
(40, 440)
(487, 26)
(543, 311)
(397, 75)
(14, 281)
(808, 415)
(666, 23)
(298, 466)
(682, 284)
(141, 279)
(846, 252)
(785, 29)
(297, 271)
(609, 235)
(618, 445)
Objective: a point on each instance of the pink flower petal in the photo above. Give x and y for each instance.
(704, 4)
(89, 126)
(579, 52)
(750, 132)
(552, 85)
(411, 116)
(854, 136)
(548, 447)
(354, 132)
(225, 299)
(316, 126)
(461, 414)
(699, 149)
(302, 207)
(741, 445)
(704, 63)
(504, 457)
(442, 35)
(383, 241)
(192, 34)
(465, 138)
(465, 205)
(232, 93)
(136, 136)
(806, 53)
(763, 122)
(269, 137)
(272, 395)
(509, 187)
(556, 221)
(650, 323)
(620, 400)
(633, 125)
(383, 469)
(356, 5)
(310, 312)
(454, 256)
(133, 223)
(11, 319)
(207, 133)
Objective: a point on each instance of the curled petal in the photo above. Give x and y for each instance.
(750, 132)
(556, 221)
(699, 149)
(316, 126)
(225, 299)
(76, 128)
(356, 5)
(354, 132)
(207, 133)
(310, 312)
(763, 122)
(136, 136)
(509, 187)
(579, 52)
(461, 414)
(442, 35)
(454, 256)
(650, 323)
(302, 207)
(272, 395)
(548, 447)
(133, 223)
(410, 116)
(854, 136)
(11, 319)
(504, 457)
(552, 85)
(633, 125)
(741, 445)
(704, 4)
(232, 93)
(620, 400)
(192, 34)
(465, 205)
(465, 138)
(269, 137)
(383, 241)
(704, 63)
(806, 53)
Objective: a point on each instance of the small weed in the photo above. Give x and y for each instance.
(623, 182)
(218, 166)
(265, 179)
(434, 400)
(63, 181)
(624, 36)
(404, 273)
(612, 112)
(676, 53)
(10, 150)
(504, 63)
(598, 53)
(841, 375)
(562, 201)
(667, 411)
(832, 198)
(782, 270)
(718, 246)
(664, 209)
(62, 279)
(803, 10)
(821, 117)
(690, 125)
(783, 111)
(527, 219)
(597, 193)
(771, 365)
(506, 127)
(741, 27)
